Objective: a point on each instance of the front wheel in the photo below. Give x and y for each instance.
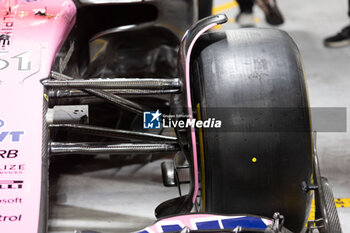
(252, 80)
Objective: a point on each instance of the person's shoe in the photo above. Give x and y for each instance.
(339, 40)
(272, 14)
(245, 19)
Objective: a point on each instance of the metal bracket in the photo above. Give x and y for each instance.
(306, 188)
(313, 225)
(186, 46)
(277, 225)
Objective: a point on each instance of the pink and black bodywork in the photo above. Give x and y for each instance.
(114, 60)
(29, 42)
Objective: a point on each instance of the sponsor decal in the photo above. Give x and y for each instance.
(9, 218)
(169, 226)
(23, 59)
(11, 184)
(152, 120)
(6, 32)
(16, 200)
(24, 62)
(11, 169)
(225, 222)
(12, 136)
(8, 154)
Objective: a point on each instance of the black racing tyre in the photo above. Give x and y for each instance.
(333, 224)
(204, 8)
(253, 81)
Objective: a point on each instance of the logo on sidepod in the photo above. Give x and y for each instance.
(8, 154)
(9, 218)
(11, 169)
(12, 136)
(6, 31)
(16, 200)
(11, 184)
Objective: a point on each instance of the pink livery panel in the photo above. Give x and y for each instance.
(31, 32)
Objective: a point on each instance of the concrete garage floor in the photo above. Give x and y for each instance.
(124, 199)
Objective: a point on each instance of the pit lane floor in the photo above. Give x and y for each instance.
(124, 199)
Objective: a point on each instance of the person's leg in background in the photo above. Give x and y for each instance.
(245, 17)
(204, 8)
(273, 15)
(246, 5)
(341, 39)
